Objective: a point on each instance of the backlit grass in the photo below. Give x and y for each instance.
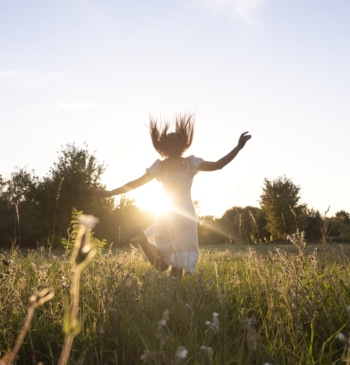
(276, 305)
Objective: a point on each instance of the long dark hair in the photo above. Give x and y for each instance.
(172, 144)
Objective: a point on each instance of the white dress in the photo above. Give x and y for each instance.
(174, 233)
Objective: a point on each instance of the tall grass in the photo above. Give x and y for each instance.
(276, 305)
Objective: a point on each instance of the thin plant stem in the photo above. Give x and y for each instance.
(11, 356)
(54, 217)
(73, 320)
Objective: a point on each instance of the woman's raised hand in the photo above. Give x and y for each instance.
(243, 139)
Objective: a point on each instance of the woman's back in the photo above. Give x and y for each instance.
(176, 176)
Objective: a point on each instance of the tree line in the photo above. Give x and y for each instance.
(39, 211)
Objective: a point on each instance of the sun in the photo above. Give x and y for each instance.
(151, 199)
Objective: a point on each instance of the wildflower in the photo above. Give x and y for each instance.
(251, 334)
(145, 356)
(343, 339)
(82, 254)
(88, 221)
(214, 326)
(207, 354)
(162, 330)
(83, 251)
(181, 353)
(216, 319)
(207, 349)
(165, 318)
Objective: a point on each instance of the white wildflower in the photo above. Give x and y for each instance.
(343, 339)
(83, 251)
(214, 326)
(181, 353)
(88, 220)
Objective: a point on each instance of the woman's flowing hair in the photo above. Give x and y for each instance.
(172, 144)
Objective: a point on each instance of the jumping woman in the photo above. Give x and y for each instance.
(172, 240)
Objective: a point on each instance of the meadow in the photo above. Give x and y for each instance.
(244, 305)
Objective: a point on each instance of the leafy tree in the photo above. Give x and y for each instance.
(38, 211)
(210, 231)
(19, 208)
(70, 185)
(233, 225)
(313, 226)
(244, 225)
(4, 234)
(281, 208)
(341, 223)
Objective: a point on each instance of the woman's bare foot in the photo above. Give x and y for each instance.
(175, 272)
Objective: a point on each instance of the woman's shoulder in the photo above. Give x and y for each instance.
(172, 165)
(194, 161)
(155, 167)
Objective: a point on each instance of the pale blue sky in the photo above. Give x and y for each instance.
(93, 71)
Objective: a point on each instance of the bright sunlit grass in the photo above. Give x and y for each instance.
(242, 306)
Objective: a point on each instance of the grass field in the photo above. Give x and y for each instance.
(244, 305)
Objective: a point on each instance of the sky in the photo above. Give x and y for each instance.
(92, 72)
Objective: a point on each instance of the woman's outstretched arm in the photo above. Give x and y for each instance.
(219, 164)
(131, 185)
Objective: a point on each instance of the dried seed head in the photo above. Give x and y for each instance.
(83, 251)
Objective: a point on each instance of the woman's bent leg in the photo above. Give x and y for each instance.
(151, 252)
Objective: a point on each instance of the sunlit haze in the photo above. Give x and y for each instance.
(84, 71)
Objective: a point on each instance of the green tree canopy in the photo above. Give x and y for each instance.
(244, 225)
(280, 205)
(210, 231)
(18, 207)
(36, 211)
(341, 224)
(70, 184)
(313, 226)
